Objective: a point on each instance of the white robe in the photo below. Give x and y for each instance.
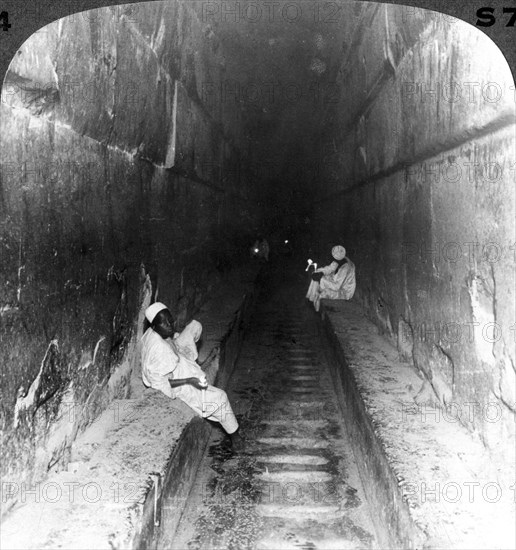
(164, 359)
(335, 284)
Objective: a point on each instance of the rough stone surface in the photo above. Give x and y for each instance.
(143, 148)
(432, 483)
(110, 179)
(106, 496)
(417, 181)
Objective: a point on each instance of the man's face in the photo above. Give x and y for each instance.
(164, 324)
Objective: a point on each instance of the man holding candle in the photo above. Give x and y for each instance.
(335, 281)
(169, 365)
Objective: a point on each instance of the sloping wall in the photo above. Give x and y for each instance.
(419, 187)
(111, 188)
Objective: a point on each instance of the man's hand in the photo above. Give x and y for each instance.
(317, 276)
(200, 384)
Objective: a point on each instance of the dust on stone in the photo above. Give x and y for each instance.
(229, 521)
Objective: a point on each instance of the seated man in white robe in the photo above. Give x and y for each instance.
(335, 281)
(169, 365)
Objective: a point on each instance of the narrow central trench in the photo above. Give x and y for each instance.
(296, 484)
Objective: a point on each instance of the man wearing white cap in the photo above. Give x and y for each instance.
(168, 365)
(335, 281)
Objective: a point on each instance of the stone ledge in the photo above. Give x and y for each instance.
(431, 482)
(106, 499)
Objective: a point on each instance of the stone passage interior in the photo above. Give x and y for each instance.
(297, 484)
(144, 147)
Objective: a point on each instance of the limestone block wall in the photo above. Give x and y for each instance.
(114, 181)
(420, 189)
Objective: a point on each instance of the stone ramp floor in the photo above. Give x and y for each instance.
(296, 484)
(459, 495)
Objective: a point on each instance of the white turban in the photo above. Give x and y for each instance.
(153, 310)
(338, 252)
